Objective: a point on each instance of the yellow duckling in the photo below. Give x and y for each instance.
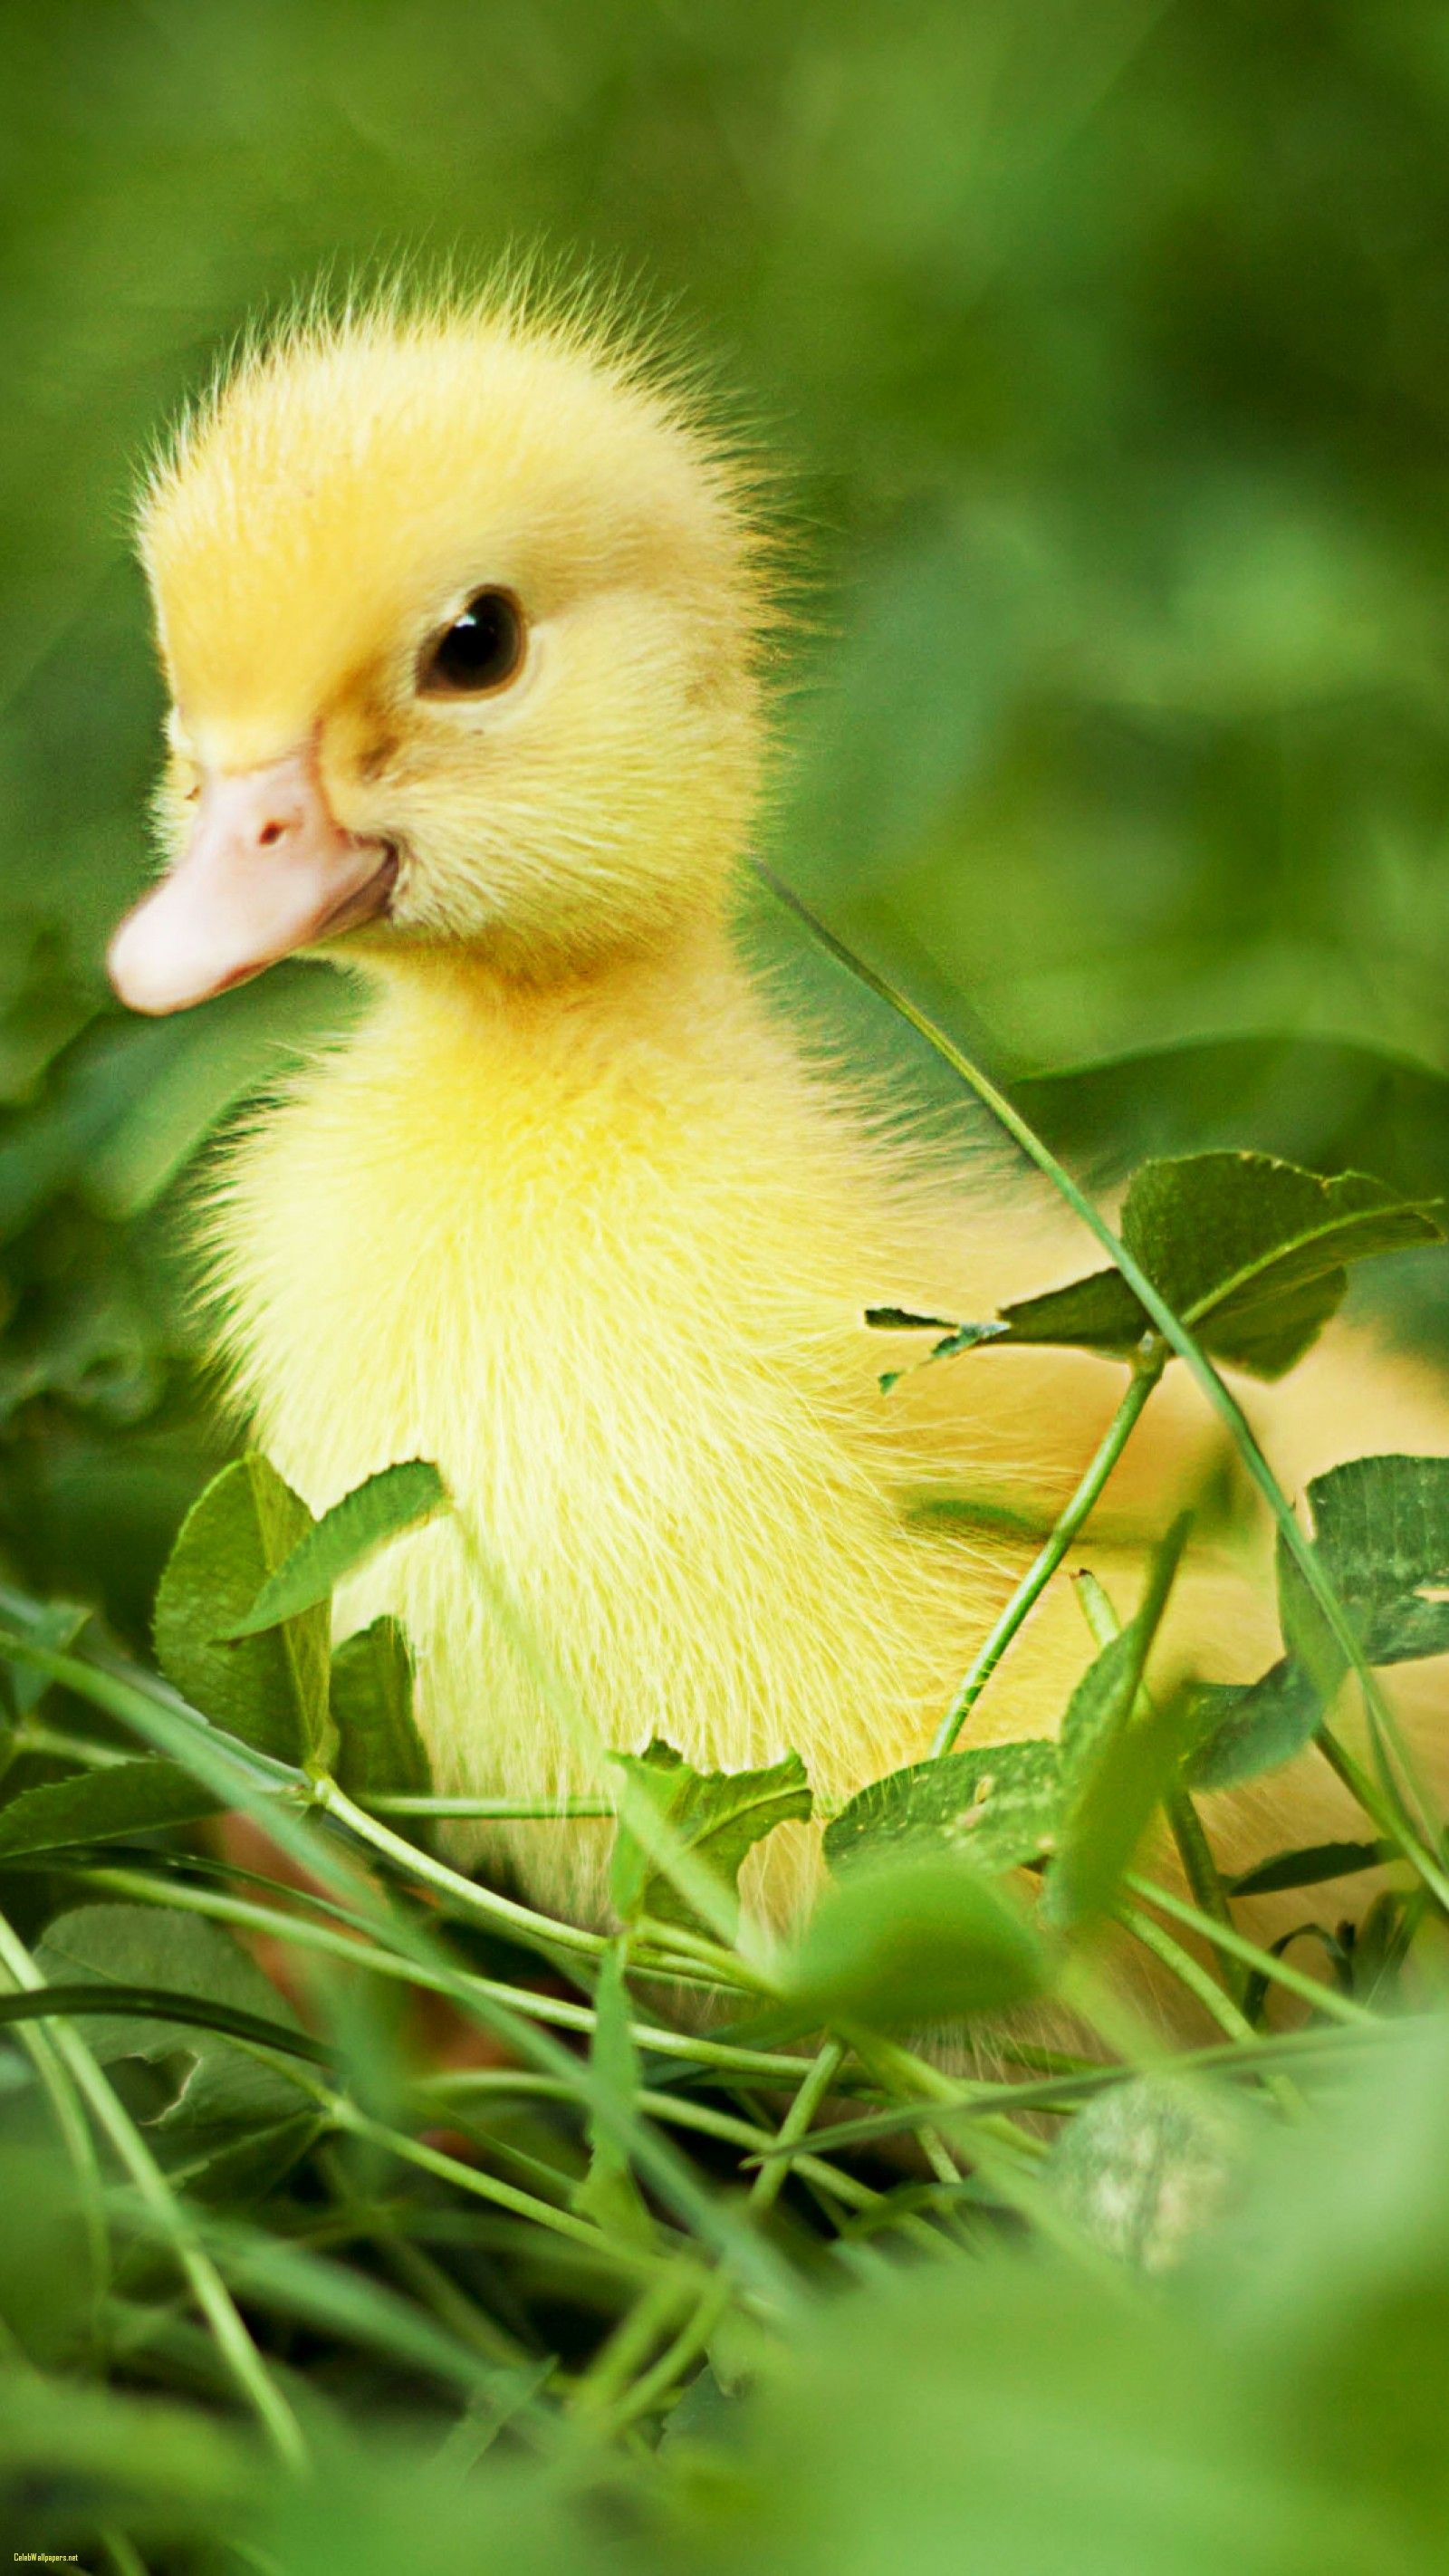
(463, 619)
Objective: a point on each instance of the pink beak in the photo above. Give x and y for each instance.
(268, 870)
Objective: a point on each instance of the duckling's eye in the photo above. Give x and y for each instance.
(481, 650)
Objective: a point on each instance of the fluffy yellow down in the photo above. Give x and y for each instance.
(573, 1212)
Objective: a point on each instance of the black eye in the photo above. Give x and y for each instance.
(481, 650)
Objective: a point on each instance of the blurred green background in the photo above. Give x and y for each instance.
(1106, 351)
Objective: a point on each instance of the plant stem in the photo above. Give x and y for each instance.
(1203, 1877)
(125, 2558)
(690, 2342)
(1188, 1972)
(677, 2110)
(1323, 1998)
(1147, 1369)
(1063, 2093)
(770, 2066)
(55, 1745)
(540, 1931)
(58, 2084)
(500, 1810)
(1210, 1995)
(484, 2186)
(1194, 1849)
(1380, 1811)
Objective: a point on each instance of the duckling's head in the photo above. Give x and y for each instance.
(460, 616)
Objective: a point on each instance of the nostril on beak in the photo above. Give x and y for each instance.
(270, 834)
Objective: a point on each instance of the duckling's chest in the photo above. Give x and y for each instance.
(574, 1296)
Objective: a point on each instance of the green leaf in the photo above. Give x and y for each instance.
(608, 2193)
(395, 1499)
(1251, 1727)
(1102, 1701)
(717, 1816)
(1249, 1251)
(97, 1806)
(1118, 1755)
(955, 1337)
(1381, 1533)
(1308, 1867)
(379, 1749)
(87, 1999)
(55, 1624)
(899, 1319)
(270, 1689)
(1098, 1313)
(249, 2163)
(997, 1804)
(1253, 1250)
(908, 1942)
(226, 2087)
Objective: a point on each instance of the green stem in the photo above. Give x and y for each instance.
(541, 1931)
(1380, 1811)
(1188, 1972)
(1195, 1853)
(125, 2558)
(60, 2091)
(1194, 1849)
(1066, 2092)
(1147, 1369)
(1324, 1998)
(485, 2186)
(655, 2384)
(1210, 1995)
(627, 2348)
(768, 2182)
(523, 1811)
(675, 2109)
(538, 1930)
(767, 2066)
(52, 1744)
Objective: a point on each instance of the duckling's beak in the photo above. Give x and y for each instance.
(268, 870)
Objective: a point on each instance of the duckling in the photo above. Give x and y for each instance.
(466, 623)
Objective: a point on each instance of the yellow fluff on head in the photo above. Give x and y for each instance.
(348, 484)
(572, 1212)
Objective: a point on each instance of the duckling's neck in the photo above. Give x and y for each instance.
(631, 1021)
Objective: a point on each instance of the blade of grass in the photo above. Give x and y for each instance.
(1147, 1371)
(1065, 2092)
(1325, 1999)
(1194, 1849)
(250, 2373)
